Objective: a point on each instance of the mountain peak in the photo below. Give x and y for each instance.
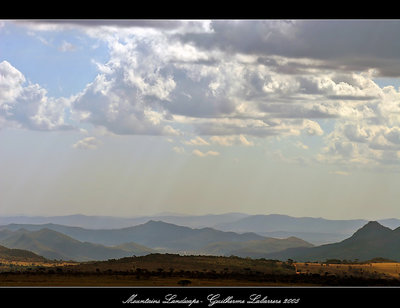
(373, 224)
(372, 229)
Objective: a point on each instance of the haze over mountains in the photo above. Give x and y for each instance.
(371, 241)
(73, 243)
(317, 231)
(55, 245)
(251, 237)
(109, 222)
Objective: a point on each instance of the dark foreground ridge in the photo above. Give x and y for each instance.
(176, 270)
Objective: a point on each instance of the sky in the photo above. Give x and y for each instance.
(138, 117)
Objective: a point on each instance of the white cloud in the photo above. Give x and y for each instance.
(90, 143)
(230, 81)
(11, 81)
(231, 140)
(312, 128)
(27, 105)
(198, 141)
(66, 47)
(301, 145)
(204, 154)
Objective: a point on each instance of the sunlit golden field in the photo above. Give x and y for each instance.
(383, 270)
(5, 264)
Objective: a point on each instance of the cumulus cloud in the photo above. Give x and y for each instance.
(90, 143)
(128, 98)
(27, 105)
(229, 81)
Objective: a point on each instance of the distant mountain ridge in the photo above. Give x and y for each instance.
(152, 234)
(314, 230)
(85, 244)
(254, 249)
(55, 245)
(369, 240)
(373, 240)
(110, 222)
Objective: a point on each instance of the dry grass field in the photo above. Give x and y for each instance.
(175, 270)
(23, 264)
(378, 270)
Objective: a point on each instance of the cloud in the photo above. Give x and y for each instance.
(90, 143)
(301, 145)
(362, 143)
(11, 81)
(49, 24)
(160, 80)
(198, 141)
(227, 82)
(27, 105)
(231, 140)
(128, 98)
(349, 45)
(312, 128)
(66, 47)
(208, 153)
(106, 28)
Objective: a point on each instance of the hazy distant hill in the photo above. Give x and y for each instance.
(314, 230)
(371, 241)
(109, 222)
(269, 223)
(316, 238)
(317, 231)
(255, 248)
(153, 234)
(19, 255)
(55, 245)
(163, 237)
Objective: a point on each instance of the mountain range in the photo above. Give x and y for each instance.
(109, 222)
(314, 230)
(254, 249)
(73, 243)
(317, 231)
(155, 234)
(373, 240)
(55, 245)
(368, 240)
